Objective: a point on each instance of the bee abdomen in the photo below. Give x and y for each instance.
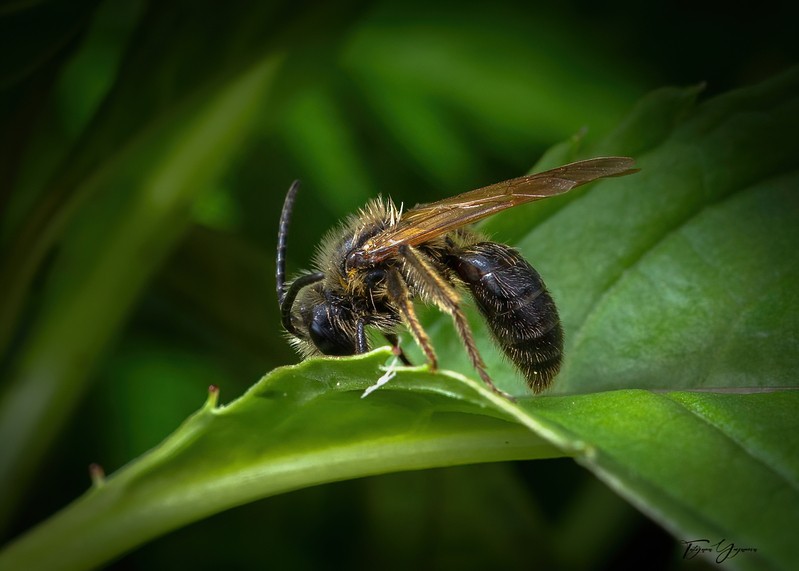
(517, 307)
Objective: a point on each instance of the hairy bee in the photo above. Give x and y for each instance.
(370, 270)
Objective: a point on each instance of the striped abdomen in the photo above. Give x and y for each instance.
(517, 306)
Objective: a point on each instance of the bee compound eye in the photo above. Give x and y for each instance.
(326, 335)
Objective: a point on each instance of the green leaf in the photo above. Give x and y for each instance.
(705, 466)
(297, 427)
(308, 424)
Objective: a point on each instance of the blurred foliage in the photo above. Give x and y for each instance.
(103, 157)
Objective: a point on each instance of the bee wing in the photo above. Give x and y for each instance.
(426, 221)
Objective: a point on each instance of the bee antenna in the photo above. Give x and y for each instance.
(282, 236)
(287, 303)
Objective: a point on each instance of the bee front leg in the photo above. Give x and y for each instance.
(361, 343)
(397, 350)
(401, 298)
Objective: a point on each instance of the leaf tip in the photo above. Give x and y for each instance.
(97, 475)
(213, 398)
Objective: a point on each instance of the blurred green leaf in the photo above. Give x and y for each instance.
(422, 98)
(106, 260)
(448, 89)
(33, 34)
(122, 197)
(660, 277)
(36, 41)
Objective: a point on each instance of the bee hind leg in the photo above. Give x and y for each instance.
(447, 299)
(400, 296)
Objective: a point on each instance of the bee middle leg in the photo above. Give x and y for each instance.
(446, 297)
(401, 297)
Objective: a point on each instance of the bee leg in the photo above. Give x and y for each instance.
(397, 350)
(400, 296)
(361, 343)
(446, 297)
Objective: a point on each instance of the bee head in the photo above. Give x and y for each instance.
(321, 323)
(325, 323)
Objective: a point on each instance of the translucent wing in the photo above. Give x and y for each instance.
(426, 221)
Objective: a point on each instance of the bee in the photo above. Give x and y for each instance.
(369, 271)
